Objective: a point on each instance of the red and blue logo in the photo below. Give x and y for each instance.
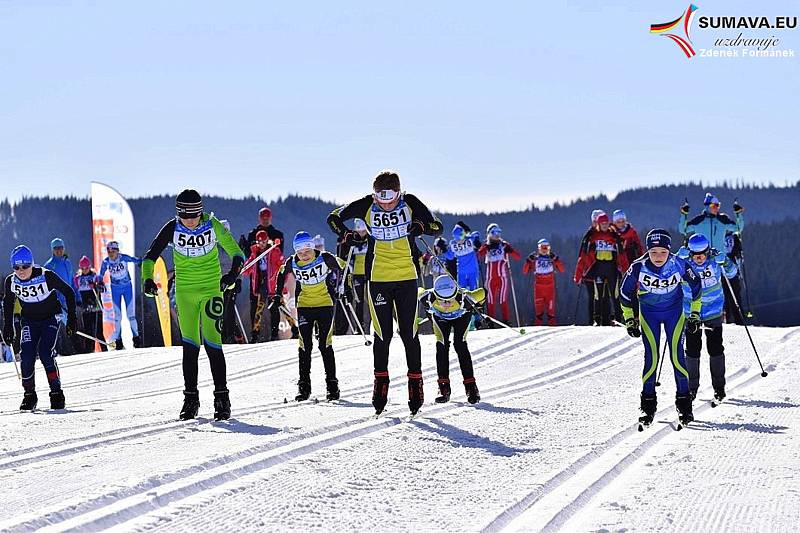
(669, 29)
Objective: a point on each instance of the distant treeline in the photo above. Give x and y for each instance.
(771, 246)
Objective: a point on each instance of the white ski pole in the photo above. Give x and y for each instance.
(250, 264)
(87, 336)
(513, 291)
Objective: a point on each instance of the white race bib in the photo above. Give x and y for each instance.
(194, 243)
(390, 225)
(31, 291)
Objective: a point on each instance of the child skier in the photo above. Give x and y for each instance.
(121, 289)
(710, 265)
(446, 303)
(394, 219)
(317, 275)
(195, 237)
(88, 285)
(35, 288)
(497, 253)
(656, 278)
(544, 263)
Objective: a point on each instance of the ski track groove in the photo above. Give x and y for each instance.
(80, 384)
(391, 418)
(142, 430)
(508, 515)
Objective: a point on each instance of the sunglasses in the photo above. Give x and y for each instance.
(22, 267)
(385, 196)
(189, 216)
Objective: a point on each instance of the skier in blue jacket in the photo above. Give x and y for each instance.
(656, 279)
(711, 223)
(121, 289)
(60, 264)
(464, 249)
(709, 265)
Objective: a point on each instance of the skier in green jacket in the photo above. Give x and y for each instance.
(194, 237)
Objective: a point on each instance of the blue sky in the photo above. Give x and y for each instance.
(478, 105)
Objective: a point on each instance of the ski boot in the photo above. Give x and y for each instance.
(333, 389)
(683, 403)
(471, 388)
(648, 406)
(380, 391)
(191, 404)
(444, 391)
(57, 400)
(416, 396)
(137, 342)
(303, 390)
(719, 395)
(29, 401)
(118, 345)
(222, 405)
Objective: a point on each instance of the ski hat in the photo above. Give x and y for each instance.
(495, 230)
(319, 240)
(444, 287)
(618, 214)
(441, 244)
(189, 204)
(458, 232)
(699, 244)
(84, 262)
(21, 255)
(596, 213)
(602, 218)
(58, 242)
(265, 212)
(658, 238)
(543, 242)
(359, 224)
(112, 245)
(302, 241)
(710, 199)
(261, 235)
(490, 227)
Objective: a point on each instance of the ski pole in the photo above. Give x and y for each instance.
(288, 315)
(95, 339)
(736, 303)
(360, 329)
(13, 358)
(241, 324)
(513, 291)
(347, 317)
(577, 303)
(466, 301)
(661, 363)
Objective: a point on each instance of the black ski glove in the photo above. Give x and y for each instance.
(8, 334)
(633, 327)
(685, 207)
(228, 281)
(150, 288)
(693, 324)
(72, 322)
(737, 207)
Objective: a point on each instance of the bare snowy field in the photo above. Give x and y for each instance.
(552, 446)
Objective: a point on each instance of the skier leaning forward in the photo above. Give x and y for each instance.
(394, 219)
(656, 278)
(194, 237)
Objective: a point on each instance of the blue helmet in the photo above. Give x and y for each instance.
(618, 214)
(658, 238)
(699, 244)
(303, 241)
(444, 287)
(21, 255)
(458, 232)
(58, 242)
(543, 242)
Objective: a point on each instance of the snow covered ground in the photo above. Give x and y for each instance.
(552, 446)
